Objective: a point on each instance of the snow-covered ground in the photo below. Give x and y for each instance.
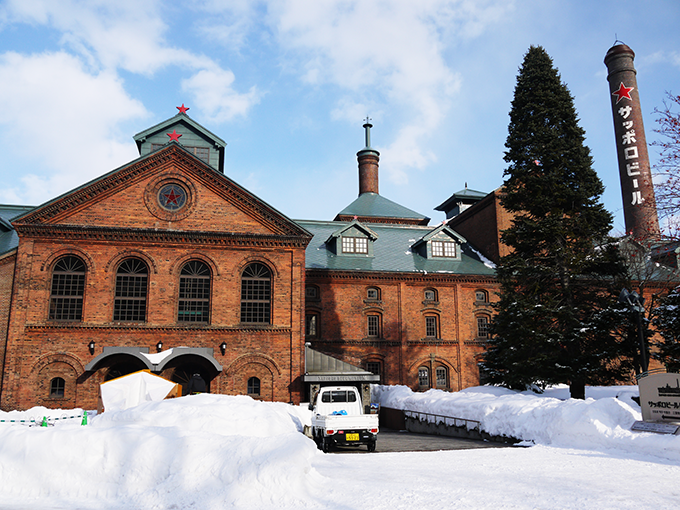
(215, 452)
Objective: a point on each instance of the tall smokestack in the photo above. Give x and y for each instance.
(639, 204)
(368, 164)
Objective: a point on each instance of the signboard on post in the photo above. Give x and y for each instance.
(660, 397)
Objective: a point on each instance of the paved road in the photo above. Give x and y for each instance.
(402, 441)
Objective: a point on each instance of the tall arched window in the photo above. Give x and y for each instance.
(423, 378)
(442, 377)
(68, 287)
(256, 286)
(254, 386)
(194, 292)
(57, 387)
(131, 288)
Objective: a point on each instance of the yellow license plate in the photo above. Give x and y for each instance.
(352, 437)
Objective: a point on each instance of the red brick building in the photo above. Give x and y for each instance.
(166, 264)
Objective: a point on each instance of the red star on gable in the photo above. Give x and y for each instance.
(174, 136)
(171, 198)
(182, 109)
(622, 92)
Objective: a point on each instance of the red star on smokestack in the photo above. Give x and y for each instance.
(623, 92)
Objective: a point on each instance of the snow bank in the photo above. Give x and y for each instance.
(601, 423)
(221, 451)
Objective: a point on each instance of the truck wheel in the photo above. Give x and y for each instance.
(326, 445)
(371, 446)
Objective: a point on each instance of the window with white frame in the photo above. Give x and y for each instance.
(424, 377)
(481, 296)
(443, 249)
(354, 245)
(373, 293)
(430, 295)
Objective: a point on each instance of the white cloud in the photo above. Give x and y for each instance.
(388, 49)
(67, 117)
(213, 93)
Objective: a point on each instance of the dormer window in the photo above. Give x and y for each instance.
(354, 245)
(440, 243)
(354, 240)
(443, 249)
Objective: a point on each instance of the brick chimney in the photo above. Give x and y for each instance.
(368, 164)
(639, 204)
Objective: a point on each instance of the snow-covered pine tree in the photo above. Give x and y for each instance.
(552, 323)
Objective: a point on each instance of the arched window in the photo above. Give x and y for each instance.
(57, 387)
(131, 287)
(194, 292)
(442, 377)
(312, 293)
(430, 295)
(254, 386)
(68, 287)
(373, 293)
(481, 296)
(256, 287)
(424, 378)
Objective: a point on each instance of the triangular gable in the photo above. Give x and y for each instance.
(129, 177)
(438, 233)
(354, 224)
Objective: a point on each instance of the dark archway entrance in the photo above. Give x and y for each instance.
(182, 368)
(120, 365)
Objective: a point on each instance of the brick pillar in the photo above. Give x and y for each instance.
(639, 204)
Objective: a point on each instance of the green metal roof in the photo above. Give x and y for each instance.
(374, 205)
(466, 196)
(391, 252)
(183, 118)
(9, 239)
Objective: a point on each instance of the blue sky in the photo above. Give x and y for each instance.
(288, 83)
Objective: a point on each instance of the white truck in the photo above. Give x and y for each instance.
(338, 419)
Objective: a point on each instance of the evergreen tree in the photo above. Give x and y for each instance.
(555, 318)
(667, 323)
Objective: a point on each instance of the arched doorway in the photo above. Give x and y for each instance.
(182, 369)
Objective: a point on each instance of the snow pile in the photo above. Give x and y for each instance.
(220, 450)
(601, 423)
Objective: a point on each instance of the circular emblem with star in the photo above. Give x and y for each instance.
(172, 197)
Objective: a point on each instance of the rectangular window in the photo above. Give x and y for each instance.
(194, 299)
(130, 301)
(482, 327)
(431, 329)
(66, 303)
(423, 377)
(373, 367)
(443, 249)
(354, 245)
(374, 325)
(311, 326)
(441, 377)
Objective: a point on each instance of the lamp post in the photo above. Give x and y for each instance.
(635, 303)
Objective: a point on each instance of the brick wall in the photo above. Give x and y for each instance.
(402, 346)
